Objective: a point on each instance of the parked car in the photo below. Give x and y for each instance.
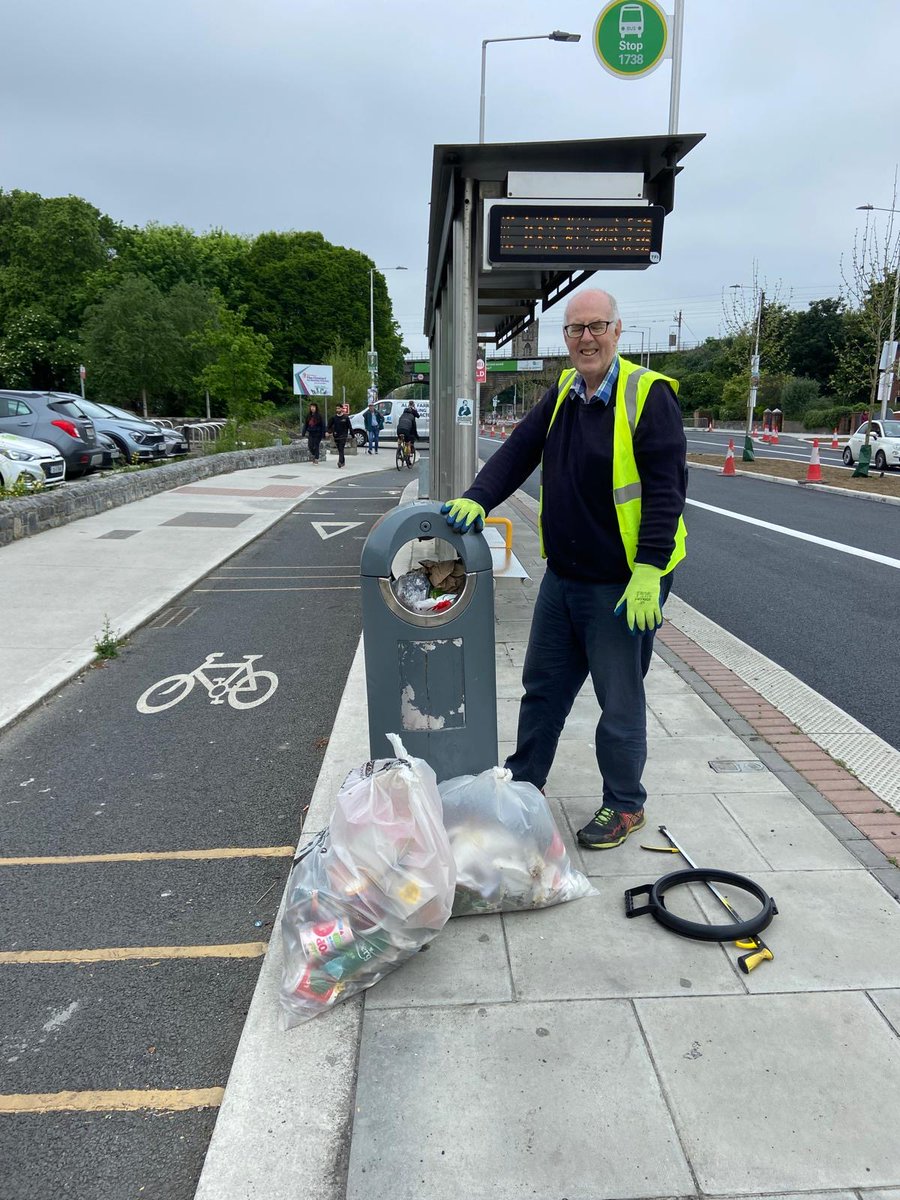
(112, 455)
(138, 440)
(55, 418)
(884, 440)
(176, 443)
(36, 462)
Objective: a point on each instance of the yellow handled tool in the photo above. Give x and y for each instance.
(759, 951)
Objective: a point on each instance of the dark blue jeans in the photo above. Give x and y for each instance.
(574, 633)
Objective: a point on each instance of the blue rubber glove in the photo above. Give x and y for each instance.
(463, 515)
(640, 600)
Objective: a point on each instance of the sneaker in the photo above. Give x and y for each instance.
(610, 828)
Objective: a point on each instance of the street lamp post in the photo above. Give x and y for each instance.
(887, 392)
(748, 455)
(373, 357)
(635, 329)
(558, 35)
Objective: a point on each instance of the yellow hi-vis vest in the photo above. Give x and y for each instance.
(632, 388)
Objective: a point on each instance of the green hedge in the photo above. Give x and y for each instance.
(815, 418)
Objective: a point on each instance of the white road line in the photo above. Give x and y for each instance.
(803, 537)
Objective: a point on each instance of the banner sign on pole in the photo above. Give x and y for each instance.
(312, 380)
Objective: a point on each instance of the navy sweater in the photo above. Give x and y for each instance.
(581, 533)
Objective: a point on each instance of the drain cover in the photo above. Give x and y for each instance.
(732, 766)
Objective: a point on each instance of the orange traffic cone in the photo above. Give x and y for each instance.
(728, 469)
(834, 442)
(773, 440)
(493, 431)
(503, 431)
(814, 470)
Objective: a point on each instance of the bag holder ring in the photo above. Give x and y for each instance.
(735, 932)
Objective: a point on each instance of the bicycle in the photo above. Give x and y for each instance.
(406, 455)
(242, 681)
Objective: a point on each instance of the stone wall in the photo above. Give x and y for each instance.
(23, 516)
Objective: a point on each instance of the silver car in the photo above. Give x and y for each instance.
(53, 417)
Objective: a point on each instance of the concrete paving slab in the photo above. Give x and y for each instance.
(787, 1078)
(786, 834)
(465, 964)
(888, 1002)
(502, 1101)
(685, 715)
(834, 930)
(673, 765)
(590, 949)
(661, 680)
(700, 823)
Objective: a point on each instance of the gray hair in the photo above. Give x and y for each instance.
(613, 305)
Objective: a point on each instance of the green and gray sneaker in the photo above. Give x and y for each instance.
(610, 828)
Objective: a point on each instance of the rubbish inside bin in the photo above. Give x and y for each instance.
(430, 587)
(508, 850)
(369, 891)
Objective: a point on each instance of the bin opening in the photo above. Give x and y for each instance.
(427, 576)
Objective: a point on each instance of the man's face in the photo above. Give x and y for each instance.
(591, 353)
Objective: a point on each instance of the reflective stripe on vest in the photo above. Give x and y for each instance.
(632, 389)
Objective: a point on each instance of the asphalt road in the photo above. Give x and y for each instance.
(824, 615)
(88, 773)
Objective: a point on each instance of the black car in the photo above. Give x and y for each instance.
(56, 418)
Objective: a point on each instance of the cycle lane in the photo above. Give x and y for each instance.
(89, 774)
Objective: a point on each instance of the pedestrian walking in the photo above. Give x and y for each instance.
(374, 422)
(610, 442)
(313, 430)
(339, 428)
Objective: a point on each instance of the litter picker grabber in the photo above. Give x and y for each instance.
(745, 934)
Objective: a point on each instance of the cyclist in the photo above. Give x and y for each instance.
(407, 430)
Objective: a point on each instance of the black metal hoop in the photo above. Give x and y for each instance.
(736, 931)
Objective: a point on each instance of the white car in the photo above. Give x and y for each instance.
(37, 462)
(392, 410)
(884, 440)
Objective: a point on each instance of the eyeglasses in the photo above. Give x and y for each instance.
(597, 328)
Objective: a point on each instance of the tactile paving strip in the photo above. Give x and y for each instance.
(869, 757)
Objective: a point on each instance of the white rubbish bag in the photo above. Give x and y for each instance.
(508, 851)
(369, 891)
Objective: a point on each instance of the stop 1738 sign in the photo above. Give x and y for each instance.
(631, 40)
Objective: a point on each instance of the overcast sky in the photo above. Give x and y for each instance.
(322, 114)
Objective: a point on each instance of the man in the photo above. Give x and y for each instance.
(339, 428)
(407, 429)
(610, 442)
(373, 421)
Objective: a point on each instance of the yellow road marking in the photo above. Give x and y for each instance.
(153, 856)
(174, 1100)
(122, 953)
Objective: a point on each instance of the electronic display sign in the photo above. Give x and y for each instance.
(556, 234)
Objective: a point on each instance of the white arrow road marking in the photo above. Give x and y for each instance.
(330, 529)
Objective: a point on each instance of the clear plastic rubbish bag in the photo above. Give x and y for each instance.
(508, 851)
(369, 891)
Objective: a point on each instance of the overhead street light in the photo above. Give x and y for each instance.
(373, 357)
(558, 35)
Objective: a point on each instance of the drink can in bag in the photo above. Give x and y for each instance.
(325, 939)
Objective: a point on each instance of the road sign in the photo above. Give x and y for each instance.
(631, 40)
(480, 371)
(82, 372)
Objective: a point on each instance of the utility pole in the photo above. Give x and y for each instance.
(677, 320)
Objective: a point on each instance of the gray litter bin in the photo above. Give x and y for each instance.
(430, 677)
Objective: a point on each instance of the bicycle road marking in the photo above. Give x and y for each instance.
(128, 953)
(803, 537)
(125, 1100)
(151, 856)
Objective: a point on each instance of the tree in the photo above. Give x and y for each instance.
(351, 373)
(238, 367)
(816, 339)
(797, 395)
(34, 355)
(130, 343)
